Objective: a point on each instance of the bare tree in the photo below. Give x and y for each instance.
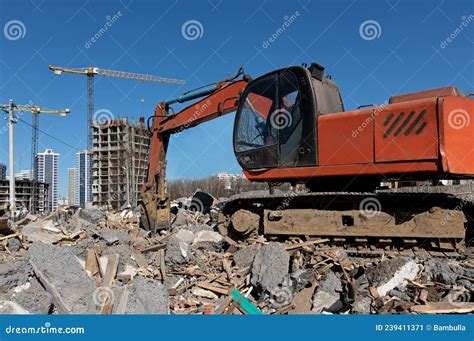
(215, 186)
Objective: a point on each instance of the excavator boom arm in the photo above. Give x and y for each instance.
(155, 200)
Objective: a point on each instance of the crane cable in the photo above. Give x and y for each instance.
(49, 135)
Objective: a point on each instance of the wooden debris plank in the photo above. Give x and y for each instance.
(111, 271)
(9, 236)
(106, 308)
(208, 286)
(162, 265)
(97, 259)
(226, 265)
(154, 247)
(224, 305)
(230, 308)
(373, 292)
(444, 308)
(91, 262)
(423, 295)
(284, 310)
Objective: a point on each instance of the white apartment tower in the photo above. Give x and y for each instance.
(48, 173)
(83, 178)
(71, 186)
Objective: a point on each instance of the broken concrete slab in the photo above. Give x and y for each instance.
(181, 219)
(393, 273)
(64, 278)
(32, 297)
(207, 237)
(179, 249)
(439, 270)
(302, 278)
(362, 305)
(14, 273)
(185, 236)
(324, 301)
(12, 308)
(91, 215)
(244, 257)
(177, 252)
(143, 296)
(328, 293)
(114, 236)
(204, 293)
(42, 231)
(125, 252)
(270, 266)
(209, 240)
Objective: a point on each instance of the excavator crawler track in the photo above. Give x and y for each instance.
(438, 224)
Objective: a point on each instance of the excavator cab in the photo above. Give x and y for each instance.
(275, 123)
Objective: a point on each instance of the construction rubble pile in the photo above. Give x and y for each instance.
(91, 262)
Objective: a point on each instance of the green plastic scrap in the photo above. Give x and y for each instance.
(245, 304)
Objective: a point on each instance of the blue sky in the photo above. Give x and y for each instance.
(405, 54)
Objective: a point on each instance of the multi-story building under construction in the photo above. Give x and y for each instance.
(119, 162)
(24, 190)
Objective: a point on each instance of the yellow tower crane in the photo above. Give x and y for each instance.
(90, 72)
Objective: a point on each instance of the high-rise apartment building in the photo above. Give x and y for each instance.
(71, 186)
(48, 173)
(83, 178)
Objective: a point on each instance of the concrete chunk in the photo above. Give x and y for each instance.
(12, 308)
(143, 296)
(64, 278)
(327, 293)
(14, 273)
(244, 257)
(43, 231)
(32, 297)
(92, 215)
(270, 266)
(392, 273)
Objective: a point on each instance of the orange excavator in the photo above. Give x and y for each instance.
(290, 126)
